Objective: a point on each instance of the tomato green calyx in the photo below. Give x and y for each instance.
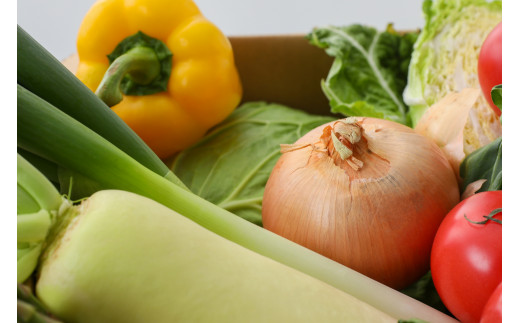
(139, 65)
(489, 217)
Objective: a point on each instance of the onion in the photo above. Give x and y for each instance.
(365, 192)
(451, 124)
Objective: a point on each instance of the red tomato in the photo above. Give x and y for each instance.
(492, 312)
(466, 258)
(490, 64)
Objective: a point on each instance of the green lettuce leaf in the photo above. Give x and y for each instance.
(231, 164)
(484, 163)
(445, 56)
(369, 72)
(496, 95)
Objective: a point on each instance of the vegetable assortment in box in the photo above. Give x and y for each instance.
(74, 290)
(182, 175)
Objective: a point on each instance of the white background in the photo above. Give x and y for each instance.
(54, 23)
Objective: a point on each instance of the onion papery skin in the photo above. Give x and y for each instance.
(379, 220)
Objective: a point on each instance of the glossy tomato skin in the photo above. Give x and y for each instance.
(492, 312)
(466, 258)
(490, 64)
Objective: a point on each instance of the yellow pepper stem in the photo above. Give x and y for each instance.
(140, 64)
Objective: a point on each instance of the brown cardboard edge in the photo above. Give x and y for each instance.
(282, 69)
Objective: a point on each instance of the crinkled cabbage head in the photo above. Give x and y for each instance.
(445, 59)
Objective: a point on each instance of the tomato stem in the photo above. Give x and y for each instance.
(488, 217)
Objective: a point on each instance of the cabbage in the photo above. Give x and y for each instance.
(445, 59)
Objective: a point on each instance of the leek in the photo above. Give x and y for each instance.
(41, 73)
(47, 168)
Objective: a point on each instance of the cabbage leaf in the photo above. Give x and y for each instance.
(369, 72)
(445, 59)
(230, 166)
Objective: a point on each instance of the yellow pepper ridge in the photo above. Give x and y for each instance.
(203, 86)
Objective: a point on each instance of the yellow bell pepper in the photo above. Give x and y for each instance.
(175, 69)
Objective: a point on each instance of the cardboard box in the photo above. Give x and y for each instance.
(283, 69)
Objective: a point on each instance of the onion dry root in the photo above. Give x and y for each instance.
(365, 192)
